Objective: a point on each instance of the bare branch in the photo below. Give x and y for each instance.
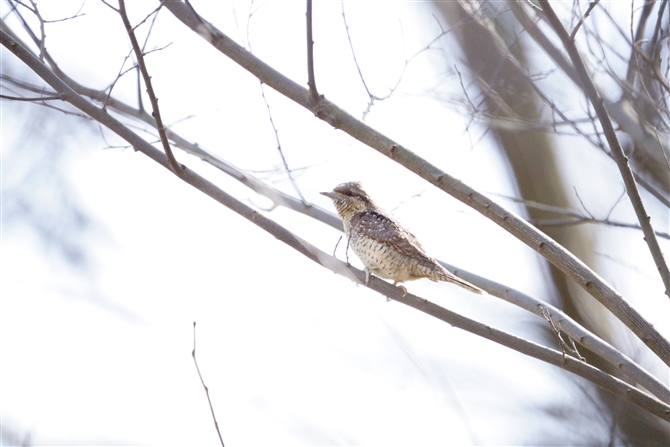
(615, 147)
(211, 408)
(512, 223)
(358, 67)
(176, 168)
(569, 349)
(19, 98)
(618, 110)
(574, 330)
(574, 217)
(581, 21)
(313, 93)
(590, 341)
(592, 220)
(288, 170)
(604, 380)
(118, 76)
(153, 14)
(289, 173)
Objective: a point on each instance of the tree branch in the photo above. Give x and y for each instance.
(615, 147)
(634, 372)
(638, 131)
(515, 225)
(313, 93)
(592, 5)
(176, 168)
(605, 381)
(590, 341)
(211, 408)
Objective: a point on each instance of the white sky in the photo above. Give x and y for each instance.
(292, 354)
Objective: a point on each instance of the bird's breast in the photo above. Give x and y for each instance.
(381, 259)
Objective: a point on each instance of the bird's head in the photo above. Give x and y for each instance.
(349, 198)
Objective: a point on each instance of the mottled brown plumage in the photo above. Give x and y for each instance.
(385, 247)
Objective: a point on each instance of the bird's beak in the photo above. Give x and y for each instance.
(331, 194)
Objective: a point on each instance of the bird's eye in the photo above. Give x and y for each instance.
(350, 194)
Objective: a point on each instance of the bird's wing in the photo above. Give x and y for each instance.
(385, 229)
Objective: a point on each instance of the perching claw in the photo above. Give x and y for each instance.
(403, 288)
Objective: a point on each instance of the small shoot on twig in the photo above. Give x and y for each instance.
(566, 348)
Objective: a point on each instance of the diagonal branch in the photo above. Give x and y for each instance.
(632, 371)
(176, 168)
(600, 378)
(639, 132)
(592, 5)
(610, 134)
(515, 225)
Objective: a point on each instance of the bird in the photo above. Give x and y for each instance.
(384, 246)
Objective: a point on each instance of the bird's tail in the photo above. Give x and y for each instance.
(450, 277)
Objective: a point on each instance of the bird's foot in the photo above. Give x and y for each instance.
(367, 277)
(403, 288)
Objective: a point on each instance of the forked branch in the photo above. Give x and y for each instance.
(600, 378)
(174, 166)
(613, 141)
(515, 225)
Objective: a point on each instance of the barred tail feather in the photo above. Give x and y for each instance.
(449, 277)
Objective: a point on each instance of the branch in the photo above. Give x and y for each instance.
(581, 21)
(573, 217)
(590, 341)
(278, 197)
(289, 173)
(211, 408)
(618, 110)
(515, 225)
(592, 220)
(20, 98)
(603, 380)
(176, 168)
(313, 93)
(615, 147)
(634, 372)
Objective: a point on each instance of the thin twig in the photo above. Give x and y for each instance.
(289, 171)
(571, 348)
(634, 372)
(211, 408)
(581, 21)
(616, 109)
(153, 13)
(71, 17)
(591, 220)
(574, 217)
(587, 339)
(313, 93)
(176, 167)
(121, 73)
(630, 369)
(598, 377)
(19, 98)
(353, 53)
(279, 148)
(334, 115)
(615, 147)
